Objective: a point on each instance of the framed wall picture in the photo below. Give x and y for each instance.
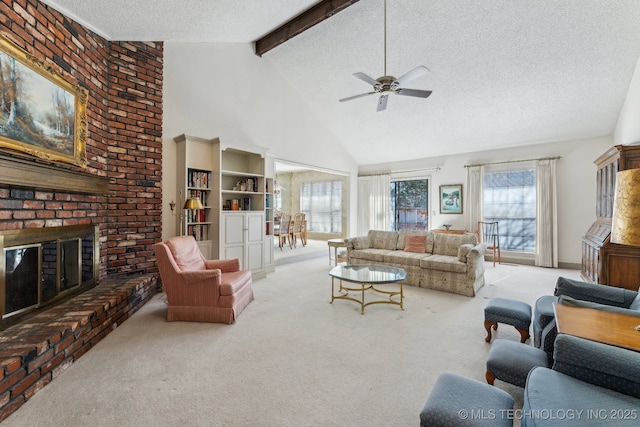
(43, 115)
(451, 199)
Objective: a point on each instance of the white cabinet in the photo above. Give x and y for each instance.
(242, 237)
(244, 232)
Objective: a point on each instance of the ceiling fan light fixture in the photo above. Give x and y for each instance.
(389, 84)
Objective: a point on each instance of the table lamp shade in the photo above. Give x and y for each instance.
(193, 203)
(625, 225)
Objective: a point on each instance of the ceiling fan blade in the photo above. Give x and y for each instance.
(382, 102)
(419, 71)
(356, 96)
(365, 78)
(414, 92)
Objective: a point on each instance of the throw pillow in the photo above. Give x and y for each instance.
(415, 243)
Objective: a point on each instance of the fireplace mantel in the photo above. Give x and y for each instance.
(22, 173)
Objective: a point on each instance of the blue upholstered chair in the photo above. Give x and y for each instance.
(578, 293)
(598, 383)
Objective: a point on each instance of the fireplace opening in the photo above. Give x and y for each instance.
(43, 267)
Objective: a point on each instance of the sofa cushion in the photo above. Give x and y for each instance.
(463, 251)
(361, 242)
(415, 243)
(447, 244)
(370, 254)
(443, 263)
(383, 239)
(404, 258)
(635, 304)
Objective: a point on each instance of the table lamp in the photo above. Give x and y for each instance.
(191, 203)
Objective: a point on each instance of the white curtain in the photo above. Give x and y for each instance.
(546, 214)
(374, 194)
(474, 197)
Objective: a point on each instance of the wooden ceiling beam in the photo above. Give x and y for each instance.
(307, 19)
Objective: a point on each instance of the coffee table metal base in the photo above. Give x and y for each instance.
(363, 287)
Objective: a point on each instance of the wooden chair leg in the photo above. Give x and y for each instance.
(488, 325)
(490, 377)
(524, 334)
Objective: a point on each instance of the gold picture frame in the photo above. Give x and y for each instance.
(41, 113)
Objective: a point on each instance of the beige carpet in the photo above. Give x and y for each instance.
(313, 249)
(291, 359)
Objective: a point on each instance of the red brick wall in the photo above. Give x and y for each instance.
(124, 143)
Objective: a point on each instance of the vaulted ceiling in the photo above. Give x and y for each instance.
(503, 73)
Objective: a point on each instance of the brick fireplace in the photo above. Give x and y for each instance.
(118, 194)
(40, 267)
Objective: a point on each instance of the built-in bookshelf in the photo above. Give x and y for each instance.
(195, 179)
(268, 207)
(198, 221)
(236, 194)
(242, 182)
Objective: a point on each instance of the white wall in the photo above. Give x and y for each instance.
(226, 91)
(628, 127)
(576, 184)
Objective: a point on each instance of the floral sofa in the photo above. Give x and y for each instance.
(445, 262)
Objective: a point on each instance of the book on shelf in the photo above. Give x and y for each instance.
(199, 232)
(196, 215)
(198, 179)
(246, 204)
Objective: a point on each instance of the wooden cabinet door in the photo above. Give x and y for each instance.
(255, 241)
(233, 237)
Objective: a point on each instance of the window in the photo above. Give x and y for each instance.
(409, 204)
(321, 202)
(510, 198)
(277, 200)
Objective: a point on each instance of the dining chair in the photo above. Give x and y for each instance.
(488, 234)
(297, 230)
(284, 231)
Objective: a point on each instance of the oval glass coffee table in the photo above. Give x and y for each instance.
(367, 276)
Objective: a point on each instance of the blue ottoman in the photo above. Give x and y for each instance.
(459, 401)
(511, 361)
(510, 312)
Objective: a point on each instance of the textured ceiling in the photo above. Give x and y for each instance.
(503, 72)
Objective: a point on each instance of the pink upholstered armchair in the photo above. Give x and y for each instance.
(200, 290)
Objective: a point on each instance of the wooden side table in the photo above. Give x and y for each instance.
(438, 231)
(335, 244)
(598, 325)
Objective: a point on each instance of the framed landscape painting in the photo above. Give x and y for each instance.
(41, 114)
(451, 199)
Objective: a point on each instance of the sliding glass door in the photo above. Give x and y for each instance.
(410, 204)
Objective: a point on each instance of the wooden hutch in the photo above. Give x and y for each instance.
(604, 262)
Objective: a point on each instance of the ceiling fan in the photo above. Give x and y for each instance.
(389, 84)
